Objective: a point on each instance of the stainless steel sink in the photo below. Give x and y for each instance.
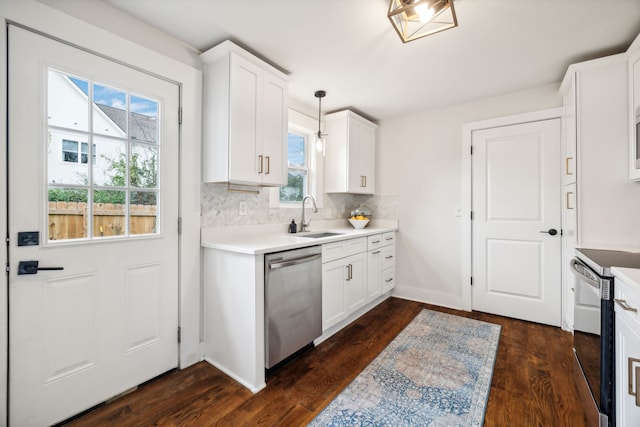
(318, 235)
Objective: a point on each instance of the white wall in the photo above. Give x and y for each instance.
(420, 159)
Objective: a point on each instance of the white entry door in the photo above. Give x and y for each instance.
(516, 225)
(93, 191)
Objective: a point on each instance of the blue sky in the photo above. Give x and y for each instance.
(296, 149)
(116, 98)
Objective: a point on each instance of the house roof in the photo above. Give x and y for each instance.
(141, 127)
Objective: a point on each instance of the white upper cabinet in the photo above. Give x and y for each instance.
(349, 154)
(634, 116)
(245, 119)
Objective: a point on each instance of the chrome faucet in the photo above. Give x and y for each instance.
(303, 224)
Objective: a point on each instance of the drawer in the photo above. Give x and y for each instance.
(388, 256)
(627, 302)
(389, 238)
(343, 248)
(375, 241)
(388, 279)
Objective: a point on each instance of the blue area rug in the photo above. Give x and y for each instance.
(436, 372)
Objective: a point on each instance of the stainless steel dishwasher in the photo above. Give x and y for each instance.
(293, 301)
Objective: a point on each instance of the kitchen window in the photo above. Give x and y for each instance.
(304, 164)
(298, 171)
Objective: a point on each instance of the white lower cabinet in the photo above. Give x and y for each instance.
(355, 272)
(343, 288)
(627, 321)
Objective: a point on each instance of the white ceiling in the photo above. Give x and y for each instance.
(349, 48)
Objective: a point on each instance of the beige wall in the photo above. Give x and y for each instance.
(420, 160)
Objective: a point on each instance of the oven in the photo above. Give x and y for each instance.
(593, 323)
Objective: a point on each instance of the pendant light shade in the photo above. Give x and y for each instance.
(413, 19)
(320, 137)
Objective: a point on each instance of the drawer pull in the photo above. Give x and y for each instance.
(626, 307)
(634, 371)
(389, 280)
(375, 252)
(389, 256)
(375, 241)
(389, 238)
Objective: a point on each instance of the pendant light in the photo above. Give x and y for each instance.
(320, 137)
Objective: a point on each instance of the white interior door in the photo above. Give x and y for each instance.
(93, 169)
(516, 202)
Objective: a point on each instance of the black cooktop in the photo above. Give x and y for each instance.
(607, 259)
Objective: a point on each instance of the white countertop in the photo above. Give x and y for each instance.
(631, 276)
(261, 239)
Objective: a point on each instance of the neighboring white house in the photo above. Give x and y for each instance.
(69, 133)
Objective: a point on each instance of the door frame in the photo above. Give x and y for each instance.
(467, 184)
(53, 22)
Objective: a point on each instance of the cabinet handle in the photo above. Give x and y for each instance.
(637, 372)
(391, 256)
(390, 279)
(260, 163)
(364, 181)
(268, 165)
(626, 307)
(569, 207)
(389, 238)
(349, 271)
(566, 166)
(375, 252)
(633, 371)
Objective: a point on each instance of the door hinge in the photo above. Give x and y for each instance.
(180, 115)
(561, 232)
(7, 269)
(471, 215)
(471, 280)
(179, 334)
(471, 150)
(179, 225)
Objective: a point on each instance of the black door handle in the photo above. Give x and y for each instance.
(31, 267)
(551, 231)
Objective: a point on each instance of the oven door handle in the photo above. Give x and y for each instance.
(589, 280)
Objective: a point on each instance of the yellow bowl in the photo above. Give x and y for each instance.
(359, 223)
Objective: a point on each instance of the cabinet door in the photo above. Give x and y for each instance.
(627, 372)
(569, 241)
(355, 292)
(274, 130)
(634, 118)
(374, 274)
(334, 274)
(569, 136)
(244, 121)
(361, 158)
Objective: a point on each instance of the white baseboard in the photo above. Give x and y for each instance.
(429, 297)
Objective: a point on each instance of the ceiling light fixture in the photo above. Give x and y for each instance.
(320, 142)
(413, 19)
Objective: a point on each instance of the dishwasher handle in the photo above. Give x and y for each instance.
(294, 261)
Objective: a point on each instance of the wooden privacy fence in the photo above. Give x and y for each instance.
(68, 220)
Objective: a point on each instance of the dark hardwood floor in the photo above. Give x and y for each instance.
(532, 382)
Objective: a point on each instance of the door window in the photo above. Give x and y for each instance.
(117, 193)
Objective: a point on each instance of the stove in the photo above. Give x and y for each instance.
(594, 329)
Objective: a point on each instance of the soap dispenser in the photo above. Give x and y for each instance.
(293, 228)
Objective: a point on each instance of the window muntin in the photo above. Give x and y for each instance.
(117, 193)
